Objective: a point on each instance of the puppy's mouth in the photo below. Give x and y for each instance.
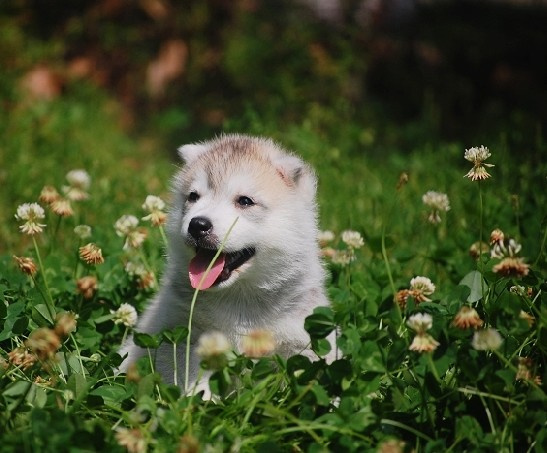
(220, 271)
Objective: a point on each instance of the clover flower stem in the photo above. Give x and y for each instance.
(77, 264)
(410, 429)
(56, 230)
(528, 340)
(537, 312)
(163, 236)
(175, 365)
(390, 276)
(193, 303)
(488, 415)
(49, 300)
(79, 353)
(433, 367)
(188, 413)
(151, 360)
(125, 332)
(481, 263)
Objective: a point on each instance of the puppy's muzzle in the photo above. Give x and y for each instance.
(199, 227)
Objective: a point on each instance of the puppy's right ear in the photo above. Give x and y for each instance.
(190, 153)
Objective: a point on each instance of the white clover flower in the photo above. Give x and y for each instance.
(467, 317)
(498, 250)
(258, 343)
(79, 182)
(91, 254)
(423, 342)
(478, 156)
(79, 178)
(513, 248)
(421, 287)
(507, 248)
(324, 237)
(126, 224)
(352, 239)
(213, 348)
(132, 439)
(496, 236)
(519, 290)
(437, 201)
(31, 213)
(153, 203)
(126, 314)
(342, 257)
(486, 339)
(420, 322)
(48, 194)
(133, 268)
(512, 266)
(155, 206)
(83, 231)
(62, 207)
(212, 344)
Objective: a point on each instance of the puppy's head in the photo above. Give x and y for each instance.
(252, 199)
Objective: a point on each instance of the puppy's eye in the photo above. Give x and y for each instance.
(245, 201)
(193, 196)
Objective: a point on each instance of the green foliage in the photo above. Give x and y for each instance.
(378, 390)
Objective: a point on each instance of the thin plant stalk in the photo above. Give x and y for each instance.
(433, 368)
(175, 364)
(389, 274)
(193, 303)
(49, 300)
(163, 236)
(481, 263)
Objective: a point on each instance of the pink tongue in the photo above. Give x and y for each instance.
(198, 266)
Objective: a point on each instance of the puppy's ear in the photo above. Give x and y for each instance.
(298, 174)
(190, 153)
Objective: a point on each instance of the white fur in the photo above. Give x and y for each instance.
(278, 287)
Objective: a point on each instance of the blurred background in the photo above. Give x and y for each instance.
(106, 84)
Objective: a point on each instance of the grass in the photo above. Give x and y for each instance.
(58, 391)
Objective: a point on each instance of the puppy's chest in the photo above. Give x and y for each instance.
(233, 318)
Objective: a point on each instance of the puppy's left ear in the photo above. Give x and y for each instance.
(191, 152)
(296, 173)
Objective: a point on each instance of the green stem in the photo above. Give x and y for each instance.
(481, 264)
(390, 276)
(175, 365)
(163, 236)
(193, 303)
(433, 367)
(410, 429)
(79, 354)
(49, 300)
(386, 261)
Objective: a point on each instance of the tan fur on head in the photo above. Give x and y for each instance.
(236, 148)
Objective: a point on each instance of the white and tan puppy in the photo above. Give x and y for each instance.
(269, 275)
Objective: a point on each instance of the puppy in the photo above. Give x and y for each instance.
(269, 274)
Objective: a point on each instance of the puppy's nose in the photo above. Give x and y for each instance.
(199, 227)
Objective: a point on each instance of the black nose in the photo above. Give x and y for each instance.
(199, 227)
